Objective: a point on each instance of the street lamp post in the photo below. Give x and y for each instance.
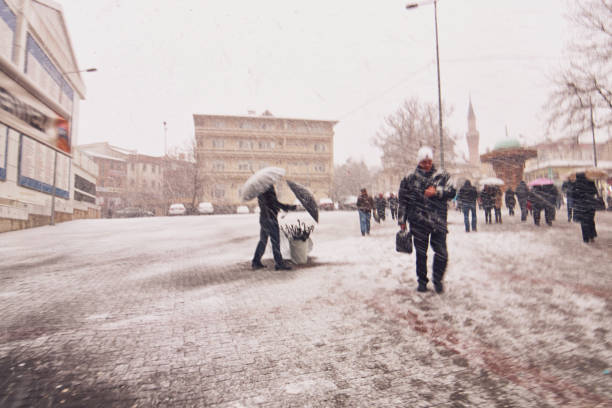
(435, 3)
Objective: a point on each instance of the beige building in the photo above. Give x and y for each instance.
(40, 91)
(231, 148)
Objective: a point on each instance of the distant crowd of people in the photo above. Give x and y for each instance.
(423, 200)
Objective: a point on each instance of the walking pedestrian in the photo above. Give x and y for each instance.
(467, 197)
(497, 203)
(510, 201)
(269, 207)
(488, 199)
(393, 204)
(365, 205)
(584, 195)
(381, 205)
(423, 203)
(522, 194)
(568, 189)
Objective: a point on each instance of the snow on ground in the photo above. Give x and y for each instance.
(525, 319)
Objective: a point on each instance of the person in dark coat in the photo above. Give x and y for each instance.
(269, 207)
(467, 197)
(365, 205)
(487, 199)
(393, 204)
(423, 203)
(497, 204)
(522, 194)
(543, 198)
(510, 201)
(568, 189)
(381, 205)
(584, 193)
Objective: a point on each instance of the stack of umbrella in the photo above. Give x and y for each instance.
(300, 231)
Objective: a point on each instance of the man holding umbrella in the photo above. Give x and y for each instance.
(269, 207)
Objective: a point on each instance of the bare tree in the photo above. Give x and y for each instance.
(349, 178)
(582, 91)
(413, 125)
(183, 182)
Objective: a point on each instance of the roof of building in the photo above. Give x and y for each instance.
(264, 117)
(507, 144)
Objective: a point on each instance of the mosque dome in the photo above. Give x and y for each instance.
(507, 144)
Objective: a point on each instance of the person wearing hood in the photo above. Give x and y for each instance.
(269, 207)
(423, 203)
(365, 205)
(522, 194)
(467, 197)
(510, 201)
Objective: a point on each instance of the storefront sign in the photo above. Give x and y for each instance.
(23, 106)
(36, 164)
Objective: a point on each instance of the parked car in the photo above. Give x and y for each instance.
(177, 209)
(129, 212)
(242, 209)
(326, 204)
(205, 208)
(349, 203)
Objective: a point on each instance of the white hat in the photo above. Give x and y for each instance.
(425, 152)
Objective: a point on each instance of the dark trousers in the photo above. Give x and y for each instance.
(466, 216)
(421, 238)
(498, 215)
(587, 224)
(268, 228)
(523, 206)
(487, 211)
(511, 211)
(393, 213)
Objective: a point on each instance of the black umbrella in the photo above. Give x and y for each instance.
(306, 198)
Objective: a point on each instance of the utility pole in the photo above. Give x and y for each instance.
(593, 132)
(165, 139)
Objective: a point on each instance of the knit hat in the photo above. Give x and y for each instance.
(425, 152)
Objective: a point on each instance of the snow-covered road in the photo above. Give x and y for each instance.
(166, 311)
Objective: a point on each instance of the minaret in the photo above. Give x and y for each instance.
(473, 137)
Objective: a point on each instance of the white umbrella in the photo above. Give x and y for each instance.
(260, 182)
(491, 181)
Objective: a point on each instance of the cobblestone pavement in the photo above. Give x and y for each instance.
(167, 312)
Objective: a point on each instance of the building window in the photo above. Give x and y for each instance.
(244, 166)
(319, 168)
(319, 147)
(245, 144)
(266, 144)
(218, 191)
(218, 166)
(133, 167)
(217, 143)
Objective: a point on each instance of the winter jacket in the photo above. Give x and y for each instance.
(522, 193)
(365, 203)
(510, 199)
(584, 193)
(381, 204)
(497, 197)
(543, 196)
(393, 203)
(422, 212)
(487, 197)
(269, 205)
(467, 194)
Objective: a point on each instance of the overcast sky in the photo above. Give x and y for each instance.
(346, 60)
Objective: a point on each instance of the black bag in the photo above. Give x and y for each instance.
(403, 242)
(599, 203)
